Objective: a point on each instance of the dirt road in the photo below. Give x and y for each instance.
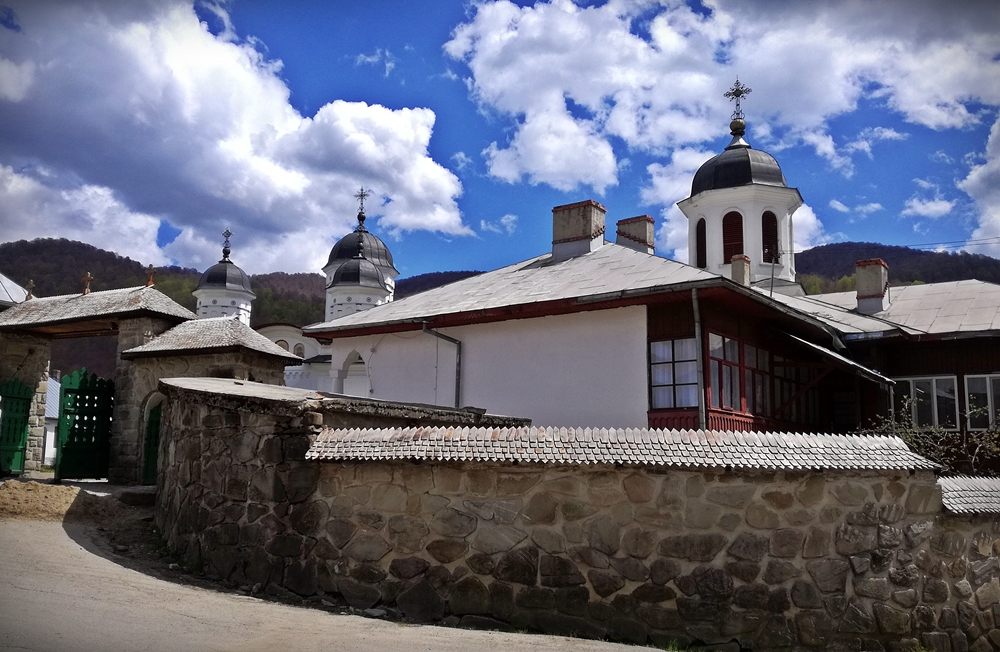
(57, 593)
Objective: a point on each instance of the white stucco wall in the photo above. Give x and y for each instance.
(585, 369)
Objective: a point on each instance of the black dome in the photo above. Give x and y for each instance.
(739, 165)
(372, 248)
(358, 271)
(225, 275)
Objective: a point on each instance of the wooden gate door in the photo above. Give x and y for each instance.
(85, 408)
(152, 446)
(15, 403)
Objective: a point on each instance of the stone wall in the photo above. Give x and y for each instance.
(136, 380)
(26, 358)
(834, 560)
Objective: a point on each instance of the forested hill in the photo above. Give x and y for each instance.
(57, 266)
(835, 261)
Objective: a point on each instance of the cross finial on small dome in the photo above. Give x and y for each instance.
(225, 245)
(738, 92)
(361, 196)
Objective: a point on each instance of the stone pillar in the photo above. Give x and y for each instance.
(126, 448)
(26, 358)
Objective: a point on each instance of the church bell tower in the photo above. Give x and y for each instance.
(740, 205)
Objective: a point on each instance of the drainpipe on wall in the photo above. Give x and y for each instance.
(458, 361)
(700, 357)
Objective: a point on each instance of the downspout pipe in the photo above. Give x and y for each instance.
(702, 419)
(458, 360)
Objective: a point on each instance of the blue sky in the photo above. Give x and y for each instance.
(149, 127)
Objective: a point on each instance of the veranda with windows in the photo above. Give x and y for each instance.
(756, 373)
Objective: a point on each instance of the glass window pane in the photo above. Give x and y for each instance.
(995, 387)
(901, 402)
(732, 350)
(978, 405)
(923, 398)
(727, 386)
(763, 404)
(663, 374)
(748, 383)
(750, 356)
(947, 402)
(685, 349)
(715, 345)
(763, 360)
(659, 352)
(663, 397)
(685, 372)
(687, 395)
(716, 389)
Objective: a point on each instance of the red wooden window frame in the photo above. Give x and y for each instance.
(701, 244)
(732, 236)
(769, 233)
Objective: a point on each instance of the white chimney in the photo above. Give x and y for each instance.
(636, 233)
(577, 228)
(871, 279)
(741, 269)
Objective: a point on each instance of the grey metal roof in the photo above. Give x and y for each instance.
(358, 272)
(836, 316)
(226, 275)
(206, 335)
(610, 269)
(971, 495)
(833, 355)
(372, 248)
(949, 307)
(643, 447)
(79, 307)
(738, 165)
(10, 292)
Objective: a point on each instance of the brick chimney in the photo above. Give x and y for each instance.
(741, 269)
(577, 228)
(872, 279)
(636, 233)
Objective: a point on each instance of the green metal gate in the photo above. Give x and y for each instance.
(85, 408)
(152, 447)
(15, 404)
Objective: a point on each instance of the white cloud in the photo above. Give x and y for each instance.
(983, 185)
(868, 209)
(380, 56)
(461, 160)
(808, 231)
(506, 224)
(84, 212)
(590, 77)
(928, 207)
(868, 136)
(669, 184)
(839, 206)
(156, 118)
(15, 79)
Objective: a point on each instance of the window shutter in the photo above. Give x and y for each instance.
(700, 245)
(732, 236)
(769, 231)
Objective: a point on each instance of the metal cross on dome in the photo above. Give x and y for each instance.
(361, 196)
(226, 234)
(737, 92)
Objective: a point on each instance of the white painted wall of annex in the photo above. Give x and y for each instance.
(585, 369)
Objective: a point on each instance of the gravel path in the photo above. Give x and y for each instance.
(58, 593)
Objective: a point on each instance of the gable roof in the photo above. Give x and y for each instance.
(82, 307)
(611, 269)
(640, 446)
(209, 335)
(935, 308)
